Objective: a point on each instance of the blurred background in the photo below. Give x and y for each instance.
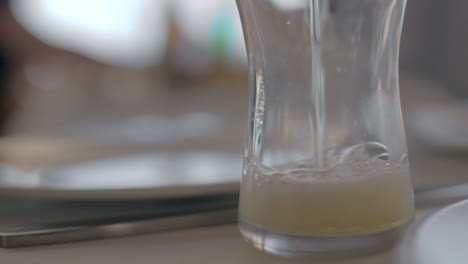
(86, 78)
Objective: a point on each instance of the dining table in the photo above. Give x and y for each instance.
(223, 243)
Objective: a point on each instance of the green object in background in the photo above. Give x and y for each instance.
(223, 34)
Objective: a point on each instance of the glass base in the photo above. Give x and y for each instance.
(294, 246)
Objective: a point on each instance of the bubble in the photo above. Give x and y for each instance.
(369, 151)
(404, 159)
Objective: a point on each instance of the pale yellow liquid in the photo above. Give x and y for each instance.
(349, 199)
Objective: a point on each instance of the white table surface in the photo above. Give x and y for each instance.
(221, 244)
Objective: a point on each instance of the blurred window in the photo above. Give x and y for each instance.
(131, 33)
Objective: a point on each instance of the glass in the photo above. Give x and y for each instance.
(325, 168)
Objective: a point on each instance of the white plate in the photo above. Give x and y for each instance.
(136, 176)
(442, 238)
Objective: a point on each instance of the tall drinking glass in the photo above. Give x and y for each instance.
(325, 167)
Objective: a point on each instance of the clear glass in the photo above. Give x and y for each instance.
(325, 167)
